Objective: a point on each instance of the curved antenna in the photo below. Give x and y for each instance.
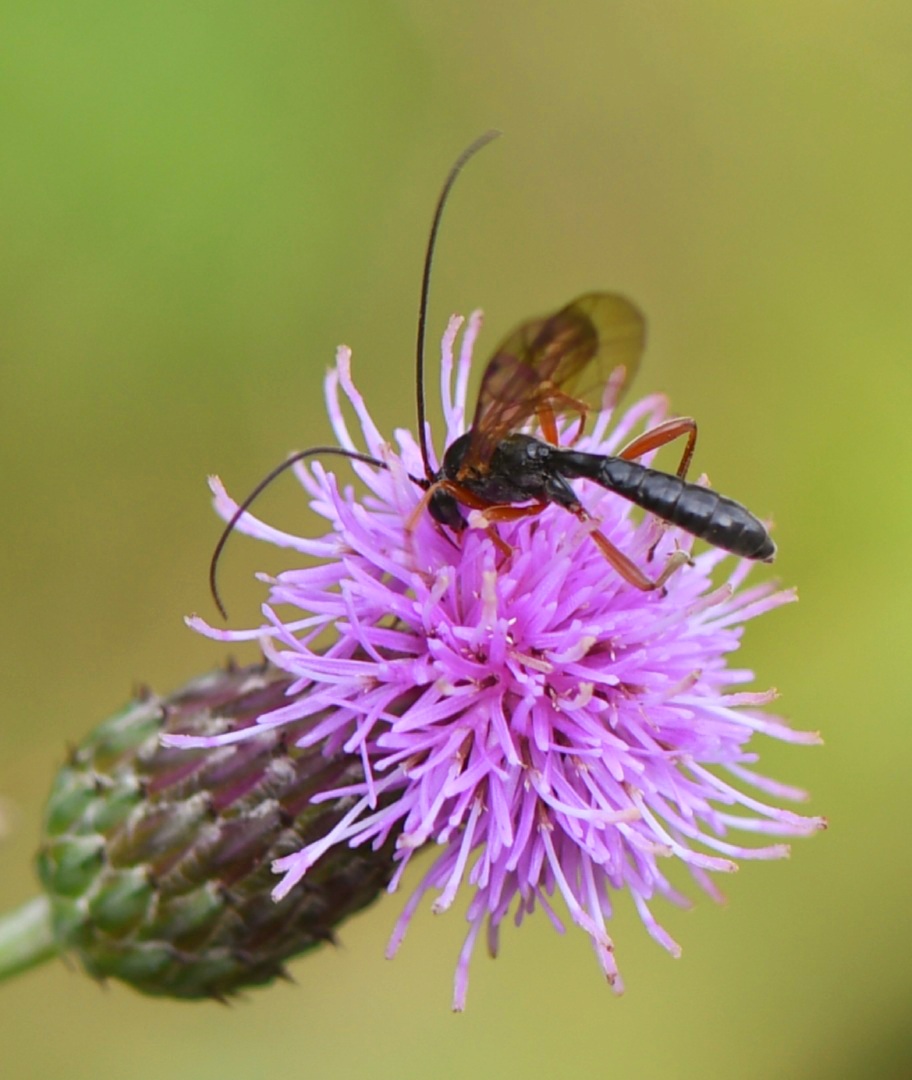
(422, 482)
(261, 487)
(469, 152)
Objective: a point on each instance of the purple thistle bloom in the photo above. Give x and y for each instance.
(550, 728)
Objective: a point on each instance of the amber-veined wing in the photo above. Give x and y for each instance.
(550, 363)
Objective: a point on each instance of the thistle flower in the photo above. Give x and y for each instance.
(554, 732)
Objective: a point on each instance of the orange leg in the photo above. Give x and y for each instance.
(565, 402)
(415, 515)
(548, 423)
(623, 565)
(628, 569)
(469, 499)
(661, 435)
(509, 512)
(581, 426)
(498, 541)
(460, 494)
(420, 508)
(463, 494)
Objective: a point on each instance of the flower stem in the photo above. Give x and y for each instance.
(26, 937)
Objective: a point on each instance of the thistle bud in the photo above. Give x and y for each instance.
(158, 861)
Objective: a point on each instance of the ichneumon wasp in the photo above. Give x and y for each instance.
(548, 367)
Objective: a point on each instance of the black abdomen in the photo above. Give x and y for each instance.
(702, 512)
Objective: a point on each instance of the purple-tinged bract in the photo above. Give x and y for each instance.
(551, 729)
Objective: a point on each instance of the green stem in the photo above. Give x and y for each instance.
(26, 937)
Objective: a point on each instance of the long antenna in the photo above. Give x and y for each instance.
(469, 152)
(300, 455)
(353, 455)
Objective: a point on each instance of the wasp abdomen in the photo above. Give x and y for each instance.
(704, 513)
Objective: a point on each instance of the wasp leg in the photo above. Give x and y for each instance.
(475, 502)
(509, 512)
(411, 521)
(461, 494)
(626, 567)
(661, 435)
(548, 423)
(420, 507)
(559, 491)
(498, 541)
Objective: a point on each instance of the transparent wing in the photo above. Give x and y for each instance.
(558, 363)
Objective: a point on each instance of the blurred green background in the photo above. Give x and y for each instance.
(199, 201)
